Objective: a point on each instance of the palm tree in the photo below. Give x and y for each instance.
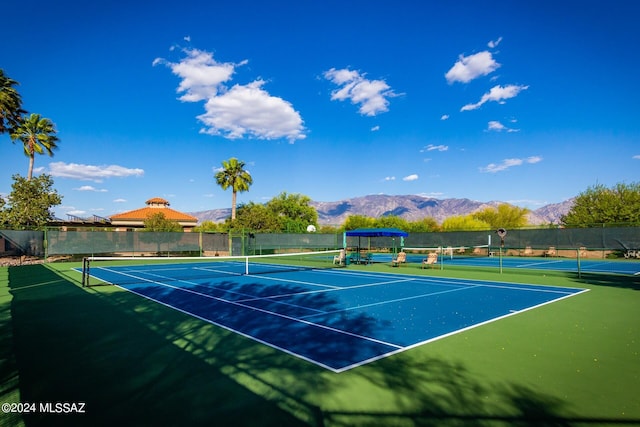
(37, 134)
(233, 175)
(10, 103)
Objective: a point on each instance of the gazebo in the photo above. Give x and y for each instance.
(374, 232)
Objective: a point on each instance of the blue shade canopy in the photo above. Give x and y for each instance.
(377, 232)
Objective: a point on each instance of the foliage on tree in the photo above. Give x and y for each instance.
(37, 134)
(255, 217)
(286, 212)
(166, 231)
(210, 227)
(10, 103)
(329, 229)
(159, 222)
(600, 205)
(464, 223)
(358, 221)
(391, 221)
(29, 203)
(503, 216)
(423, 225)
(293, 212)
(234, 176)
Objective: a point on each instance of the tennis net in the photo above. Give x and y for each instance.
(127, 270)
(451, 252)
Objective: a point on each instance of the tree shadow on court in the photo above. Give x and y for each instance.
(315, 341)
(439, 393)
(140, 363)
(70, 346)
(608, 280)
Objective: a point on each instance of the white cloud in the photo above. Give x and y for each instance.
(202, 76)
(236, 112)
(533, 159)
(432, 147)
(497, 94)
(90, 188)
(509, 163)
(528, 202)
(120, 201)
(494, 43)
(249, 110)
(637, 157)
(375, 128)
(371, 95)
(411, 177)
(444, 117)
(77, 212)
(91, 172)
(389, 178)
(471, 67)
(496, 126)
(433, 194)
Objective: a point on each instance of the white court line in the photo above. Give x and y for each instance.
(35, 285)
(465, 288)
(262, 276)
(333, 288)
(174, 279)
(529, 264)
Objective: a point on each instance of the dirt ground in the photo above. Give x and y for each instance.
(13, 261)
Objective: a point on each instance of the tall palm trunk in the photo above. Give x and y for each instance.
(30, 171)
(234, 195)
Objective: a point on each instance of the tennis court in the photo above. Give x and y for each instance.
(606, 266)
(335, 318)
(552, 264)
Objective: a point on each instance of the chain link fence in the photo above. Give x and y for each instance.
(605, 241)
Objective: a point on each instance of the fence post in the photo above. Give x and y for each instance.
(578, 258)
(45, 243)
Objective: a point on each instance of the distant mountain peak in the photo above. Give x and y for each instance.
(410, 207)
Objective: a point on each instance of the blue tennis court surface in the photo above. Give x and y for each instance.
(337, 319)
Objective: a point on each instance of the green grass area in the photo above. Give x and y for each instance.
(136, 362)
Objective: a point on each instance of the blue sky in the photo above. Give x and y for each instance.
(525, 102)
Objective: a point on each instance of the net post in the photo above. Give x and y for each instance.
(246, 265)
(85, 272)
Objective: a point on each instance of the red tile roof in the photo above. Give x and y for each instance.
(143, 213)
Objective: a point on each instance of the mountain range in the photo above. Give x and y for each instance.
(409, 207)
